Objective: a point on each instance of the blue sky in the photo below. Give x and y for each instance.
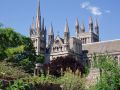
(18, 14)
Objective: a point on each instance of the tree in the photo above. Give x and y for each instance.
(109, 73)
(40, 59)
(16, 48)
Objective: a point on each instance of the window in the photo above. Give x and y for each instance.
(57, 48)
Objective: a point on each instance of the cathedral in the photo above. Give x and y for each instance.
(82, 46)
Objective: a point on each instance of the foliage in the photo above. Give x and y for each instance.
(69, 81)
(19, 85)
(13, 51)
(109, 73)
(18, 49)
(72, 81)
(8, 71)
(9, 38)
(40, 59)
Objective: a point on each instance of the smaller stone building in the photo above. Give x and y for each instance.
(64, 46)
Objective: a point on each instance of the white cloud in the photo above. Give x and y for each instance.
(93, 9)
(84, 4)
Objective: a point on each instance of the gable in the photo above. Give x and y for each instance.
(58, 41)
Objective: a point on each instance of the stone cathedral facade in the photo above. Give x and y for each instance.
(82, 46)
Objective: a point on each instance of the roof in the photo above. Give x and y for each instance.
(102, 47)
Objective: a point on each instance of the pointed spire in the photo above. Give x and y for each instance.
(33, 24)
(38, 18)
(96, 23)
(66, 27)
(96, 27)
(77, 23)
(38, 9)
(82, 28)
(77, 27)
(51, 30)
(90, 24)
(45, 29)
(43, 24)
(90, 20)
(31, 31)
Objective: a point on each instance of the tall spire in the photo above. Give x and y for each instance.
(50, 36)
(43, 24)
(82, 28)
(90, 24)
(51, 30)
(66, 27)
(96, 27)
(66, 33)
(90, 20)
(77, 23)
(33, 24)
(30, 30)
(77, 27)
(38, 9)
(38, 18)
(96, 23)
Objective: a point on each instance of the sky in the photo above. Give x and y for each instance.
(18, 14)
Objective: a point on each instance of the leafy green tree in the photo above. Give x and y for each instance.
(109, 73)
(40, 59)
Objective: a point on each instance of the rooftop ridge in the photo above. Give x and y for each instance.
(102, 41)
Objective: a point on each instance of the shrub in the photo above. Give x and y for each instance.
(71, 81)
(7, 71)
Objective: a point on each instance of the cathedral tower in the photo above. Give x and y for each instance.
(38, 33)
(92, 35)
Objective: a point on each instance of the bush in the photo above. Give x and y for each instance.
(8, 71)
(71, 81)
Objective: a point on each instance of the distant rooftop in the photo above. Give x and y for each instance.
(103, 46)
